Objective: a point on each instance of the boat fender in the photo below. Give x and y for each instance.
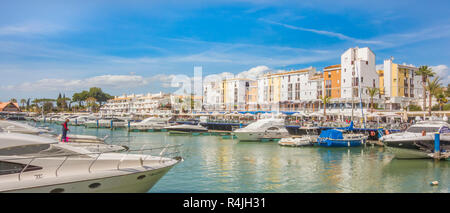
(434, 183)
(372, 133)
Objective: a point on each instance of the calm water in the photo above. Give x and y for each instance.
(213, 164)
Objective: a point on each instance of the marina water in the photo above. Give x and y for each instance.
(215, 165)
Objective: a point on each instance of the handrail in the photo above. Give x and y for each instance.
(161, 155)
(84, 154)
(24, 168)
(90, 166)
(123, 158)
(56, 171)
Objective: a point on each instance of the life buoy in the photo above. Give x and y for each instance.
(386, 132)
(372, 133)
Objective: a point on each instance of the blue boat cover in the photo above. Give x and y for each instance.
(332, 134)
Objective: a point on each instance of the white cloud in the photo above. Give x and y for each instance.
(323, 32)
(442, 71)
(30, 28)
(254, 72)
(379, 67)
(103, 81)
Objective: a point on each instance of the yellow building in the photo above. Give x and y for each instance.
(399, 80)
(381, 81)
(400, 84)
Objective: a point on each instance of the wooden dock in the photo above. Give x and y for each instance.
(375, 142)
(440, 156)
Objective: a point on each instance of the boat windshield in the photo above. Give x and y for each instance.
(419, 129)
(36, 150)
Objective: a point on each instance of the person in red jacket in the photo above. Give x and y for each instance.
(65, 129)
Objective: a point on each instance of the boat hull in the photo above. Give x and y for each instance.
(341, 143)
(140, 182)
(404, 153)
(258, 136)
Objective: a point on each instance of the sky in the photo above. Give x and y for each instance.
(49, 47)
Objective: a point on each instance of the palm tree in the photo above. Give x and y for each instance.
(372, 93)
(425, 72)
(325, 100)
(441, 98)
(433, 88)
(23, 102)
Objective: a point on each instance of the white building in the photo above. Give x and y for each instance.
(137, 104)
(290, 90)
(358, 72)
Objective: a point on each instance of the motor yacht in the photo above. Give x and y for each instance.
(106, 123)
(270, 128)
(81, 120)
(418, 140)
(18, 127)
(31, 163)
(306, 140)
(309, 135)
(185, 128)
(152, 123)
(91, 143)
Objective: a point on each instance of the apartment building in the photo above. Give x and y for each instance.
(358, 74)
(230, 94)
(332, 81)
(290, 90)
(401, 86)
(137, 104)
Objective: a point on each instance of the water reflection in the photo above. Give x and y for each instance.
(213, 164)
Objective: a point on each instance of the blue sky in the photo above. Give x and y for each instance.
(48, 47)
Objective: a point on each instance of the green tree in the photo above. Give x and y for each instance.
(433, 87)
(99, 95)
(425, 72)
(23, 102)
(325, 100)
(414, 107)
(90, 102)
(13, 100)
(28, 104)
(441, 98)
(372, 93)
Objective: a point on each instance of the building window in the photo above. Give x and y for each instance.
(297, 91)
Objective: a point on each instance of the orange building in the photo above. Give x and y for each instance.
(331, 81)
(9, 107)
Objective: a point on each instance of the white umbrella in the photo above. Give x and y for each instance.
(315, 114)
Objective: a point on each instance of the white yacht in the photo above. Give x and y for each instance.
(186, 128)
(37, 164)
(270, 128)
(152, 123)
(306, 140)
(17, 127)
(106, 123)
(309, 135)
(80, 120)
(418, 140)
(89, 142)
